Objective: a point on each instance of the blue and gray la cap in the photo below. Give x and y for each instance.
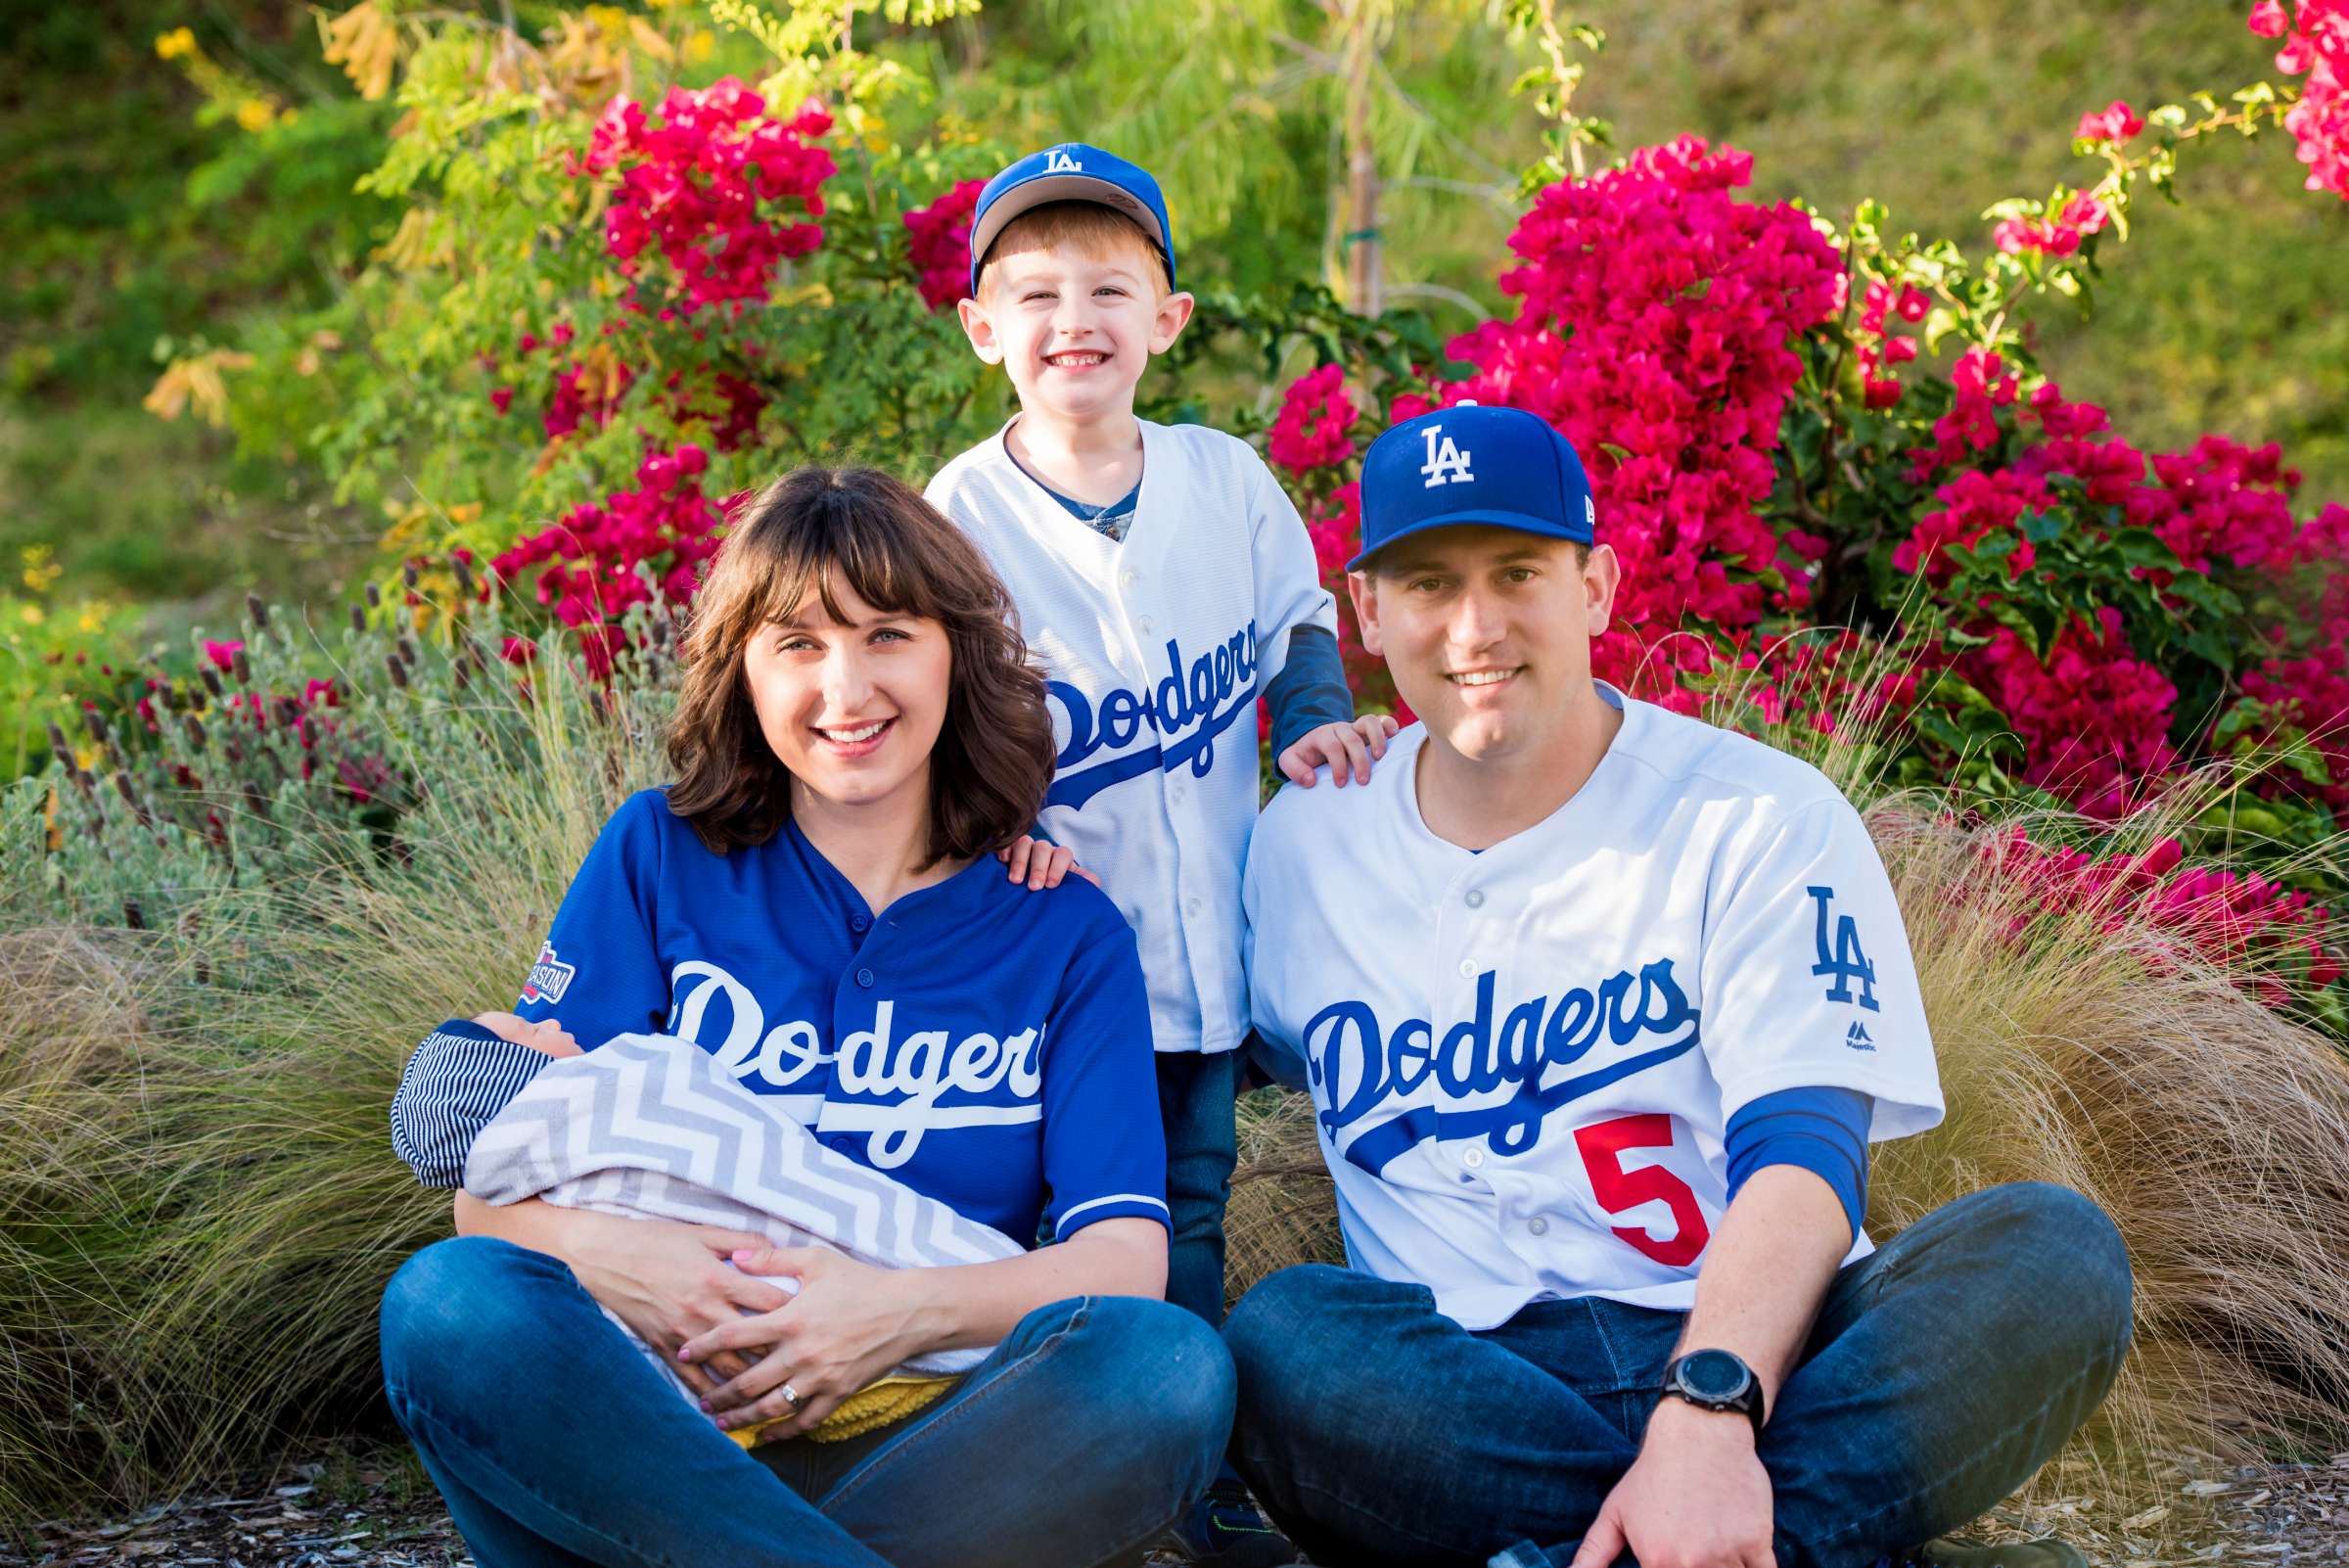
(1070, 172)
(1472, 464)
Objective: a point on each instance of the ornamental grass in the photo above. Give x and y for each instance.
(199, 1204)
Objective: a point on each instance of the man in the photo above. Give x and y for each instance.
(1599, 1006)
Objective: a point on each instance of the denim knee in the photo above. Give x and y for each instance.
(2067, 1250)
(453, 1305)
(1177, 1370)
(1278, 1337)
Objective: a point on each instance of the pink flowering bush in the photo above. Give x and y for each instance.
(2239, 921)
(641, 544)
(711, 188)
(1315, 424)
(939, 245)
(2316, 45)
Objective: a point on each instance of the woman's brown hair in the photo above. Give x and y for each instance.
(994, 759)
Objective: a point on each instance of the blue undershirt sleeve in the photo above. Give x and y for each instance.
(1824, 1131)
(1311, 689)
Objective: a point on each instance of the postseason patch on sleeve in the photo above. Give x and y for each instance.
(549, 978)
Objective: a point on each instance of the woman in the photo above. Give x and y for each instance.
(813, 903)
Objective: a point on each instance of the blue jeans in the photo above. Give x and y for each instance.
(1195, 1096)
(1944, 1369)
(557, 1444)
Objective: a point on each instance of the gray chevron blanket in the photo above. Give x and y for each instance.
(648, 1125)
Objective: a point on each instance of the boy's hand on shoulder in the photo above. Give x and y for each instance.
(1041, 863)
(1348, 749)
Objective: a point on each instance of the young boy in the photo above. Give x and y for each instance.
(1166, 583)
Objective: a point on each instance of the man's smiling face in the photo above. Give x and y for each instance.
(1487, 631)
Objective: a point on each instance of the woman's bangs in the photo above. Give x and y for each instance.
(874, 554)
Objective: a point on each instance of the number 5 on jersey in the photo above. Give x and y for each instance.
(1602, 1147)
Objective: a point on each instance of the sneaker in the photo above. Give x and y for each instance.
(1945, 1553)
(1223, 1529)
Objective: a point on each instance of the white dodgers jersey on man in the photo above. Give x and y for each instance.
(1523, 1059)
(1155, 650)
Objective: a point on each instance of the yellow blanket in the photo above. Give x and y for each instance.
(891, 1399)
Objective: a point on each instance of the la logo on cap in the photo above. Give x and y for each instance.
(1447, 464)
(1058, 161)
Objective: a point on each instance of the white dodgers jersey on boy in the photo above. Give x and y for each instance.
(1523, 1059)
(1155, 650)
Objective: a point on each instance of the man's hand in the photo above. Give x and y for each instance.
(1696, 1497)
(1041, 864)
(1348, 749)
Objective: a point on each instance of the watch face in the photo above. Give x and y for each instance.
(1714, 1374)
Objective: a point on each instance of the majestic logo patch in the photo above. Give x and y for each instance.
(1857, 1039)
(549, 980)
(1840, 956)
(1446, 464)
(1058, 161)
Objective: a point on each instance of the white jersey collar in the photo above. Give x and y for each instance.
(1594, 788)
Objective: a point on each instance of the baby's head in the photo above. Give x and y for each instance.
(1072, 281)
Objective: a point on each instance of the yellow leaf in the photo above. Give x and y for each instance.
(174, 44)
(365, 44)
(700, 45)
(195, 382)
(418, 243)
(256, 114)
(167, 398)
(648, 38)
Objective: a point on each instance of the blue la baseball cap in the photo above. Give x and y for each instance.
(1473, 464)
(1070, 172)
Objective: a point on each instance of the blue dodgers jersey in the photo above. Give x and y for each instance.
(987, 1045)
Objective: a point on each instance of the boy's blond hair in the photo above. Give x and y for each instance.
(1094, 230)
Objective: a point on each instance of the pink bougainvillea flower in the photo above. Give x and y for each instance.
(2115, 123)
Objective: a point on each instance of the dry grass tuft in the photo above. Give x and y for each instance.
(198, 1203)
(2089, 1048)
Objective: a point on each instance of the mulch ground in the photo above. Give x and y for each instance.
(343, 1513)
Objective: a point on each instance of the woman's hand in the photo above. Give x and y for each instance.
(850, 1324)
(666, 1280)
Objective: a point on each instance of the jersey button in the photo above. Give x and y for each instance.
(1538, 1226)
(864, 977)
(1468, 967)
(1476, 898)
(1128, 578)
(1190, 907)
(1472, 1158)
(858, 922)
(1142, 625)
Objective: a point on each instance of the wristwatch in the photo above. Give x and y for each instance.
(1716, 1380)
